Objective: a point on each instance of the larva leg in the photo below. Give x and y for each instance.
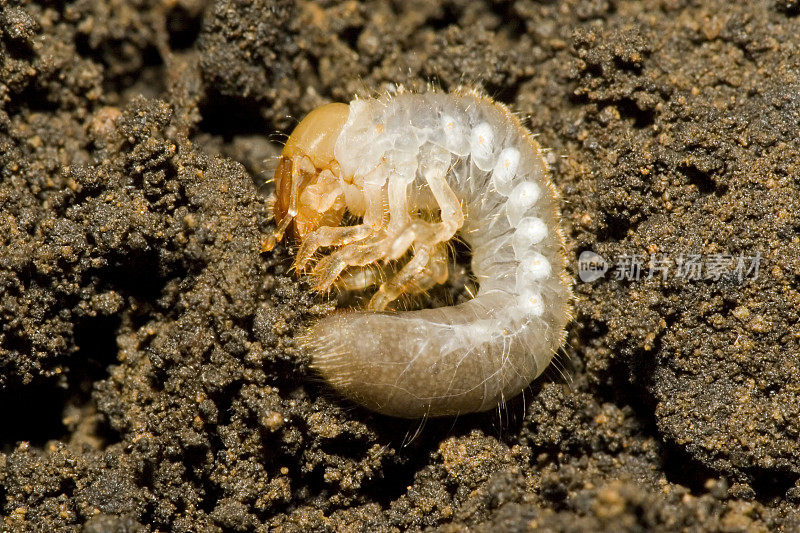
(328, 268)
(329, 236)
(373, 248)
(449, 205)
(435, 273)
(359, 254)
(426, 269)
(392, 289)
(360, 278)
(399, 234)
(378, 247)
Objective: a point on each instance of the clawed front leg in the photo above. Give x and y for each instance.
(346, 236)
(359, 254)
(329, 236)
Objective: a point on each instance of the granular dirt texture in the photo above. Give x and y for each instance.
(149, 375)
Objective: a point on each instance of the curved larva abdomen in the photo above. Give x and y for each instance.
(469, 159)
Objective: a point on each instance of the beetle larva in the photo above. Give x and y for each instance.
(417, 169)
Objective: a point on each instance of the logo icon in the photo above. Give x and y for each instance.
(591, 266)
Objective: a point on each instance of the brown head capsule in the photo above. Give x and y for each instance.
(307, 172)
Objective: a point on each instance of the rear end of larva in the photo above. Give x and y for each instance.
(434, 362)
(474, 356)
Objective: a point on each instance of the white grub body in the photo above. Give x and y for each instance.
(473, 356)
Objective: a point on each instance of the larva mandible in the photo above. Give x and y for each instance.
(417, 169)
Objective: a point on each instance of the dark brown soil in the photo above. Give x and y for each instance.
(148, 375)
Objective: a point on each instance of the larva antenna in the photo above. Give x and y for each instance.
(278, 137)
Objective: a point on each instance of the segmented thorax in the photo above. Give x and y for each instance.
(419, 169)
